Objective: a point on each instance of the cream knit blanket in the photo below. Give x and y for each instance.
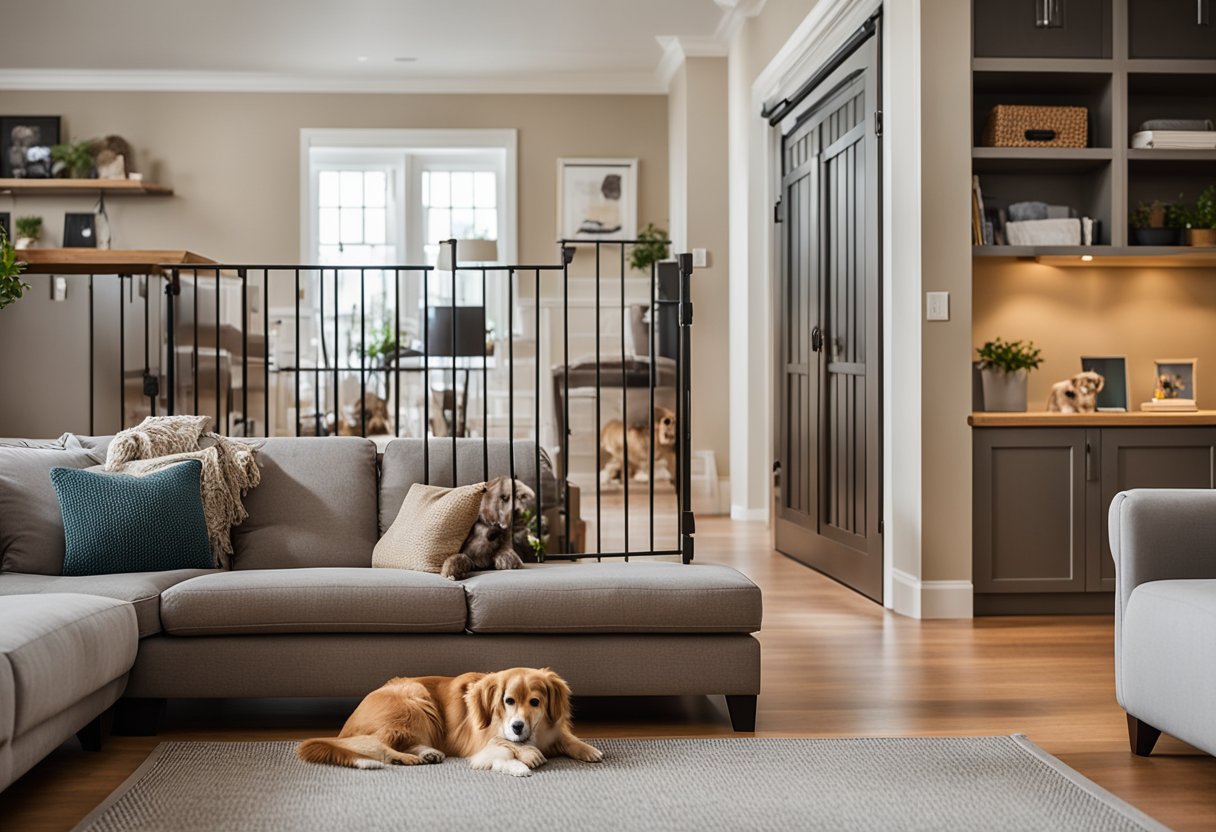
(230, 468)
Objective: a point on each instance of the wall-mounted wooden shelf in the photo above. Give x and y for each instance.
(82, 187)
(106, 261)
(1107, 256)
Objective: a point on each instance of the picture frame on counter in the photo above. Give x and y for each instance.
(1177, 378)
(1115, 396)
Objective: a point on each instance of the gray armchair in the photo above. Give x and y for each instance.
(1164, 545)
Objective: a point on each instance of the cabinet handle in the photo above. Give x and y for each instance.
(1049, 14)
(816, 339)
(1090, 473)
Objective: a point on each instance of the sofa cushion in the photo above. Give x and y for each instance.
(431, 527)
(404, 464)
(141, 589)
(327, 600)
(315, 506)
(61, 648)
(31, 528)
(614, 598)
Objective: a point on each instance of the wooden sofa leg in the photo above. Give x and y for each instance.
(138, 717)
(1142, 736)
(90, 736)
(742, 711)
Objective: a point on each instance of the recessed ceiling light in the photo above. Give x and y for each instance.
(405, 59)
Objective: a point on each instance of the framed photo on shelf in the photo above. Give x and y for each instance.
(25, 146)
(597, 199)
(1114, 396)
(1175, 378)
(79, 230)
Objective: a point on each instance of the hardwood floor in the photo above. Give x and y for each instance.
(835, 664)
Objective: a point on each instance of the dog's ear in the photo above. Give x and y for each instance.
(557, 705)
(489, 511)
(482, 699)
(1100, 382)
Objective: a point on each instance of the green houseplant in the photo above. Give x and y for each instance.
(28, 229)
(651, 248)
(1152, 226)
(1005, 368)
(1203, 219)
(12, 287)
(73, 160)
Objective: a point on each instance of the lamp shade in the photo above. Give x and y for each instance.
(467, 251)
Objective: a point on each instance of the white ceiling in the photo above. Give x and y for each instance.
(465, 45)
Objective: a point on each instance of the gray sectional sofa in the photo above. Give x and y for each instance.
(302, 613)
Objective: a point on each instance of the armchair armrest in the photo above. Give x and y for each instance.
(1162, 534)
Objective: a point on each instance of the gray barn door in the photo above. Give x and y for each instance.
(829, 425)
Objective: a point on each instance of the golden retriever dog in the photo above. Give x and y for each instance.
(613, 442)
(1078, 394)
(510, 721)
(491, 541)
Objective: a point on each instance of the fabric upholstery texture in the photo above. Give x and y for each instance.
(321, 600)
(315, 505)
(62, 648)
(431, 527)
(312, 664)
(403, 465)
(614, 598)
(31, 527)
(141, 589)
(29, 748)
(123, 523)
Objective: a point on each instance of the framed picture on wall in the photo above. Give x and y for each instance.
(1114, 396)
(80, 231)
(25, 146)
(597, 199)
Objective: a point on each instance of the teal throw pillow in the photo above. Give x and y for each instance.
(121, 523)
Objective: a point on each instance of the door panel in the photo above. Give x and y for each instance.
(829, 428)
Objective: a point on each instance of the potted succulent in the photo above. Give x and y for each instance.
(28, 229)
(651, 248)
(1202, 219)
(1005, 367)
(12, 287)
(1152, 226)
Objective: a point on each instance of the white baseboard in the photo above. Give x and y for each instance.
(752, 515)
(930, 599)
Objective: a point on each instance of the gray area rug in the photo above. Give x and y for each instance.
(957, 783)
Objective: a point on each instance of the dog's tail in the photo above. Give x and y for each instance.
(352, 752)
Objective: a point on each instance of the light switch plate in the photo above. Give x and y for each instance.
(937, 306)
(700, 258)
(59, 288)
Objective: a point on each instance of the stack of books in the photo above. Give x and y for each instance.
(1169, 406)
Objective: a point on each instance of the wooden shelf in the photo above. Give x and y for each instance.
(1043, 65)
(1090, 420)
(1039, 159)
(105, 261)
(1170, 154)
(82, 187)
(1117, 256)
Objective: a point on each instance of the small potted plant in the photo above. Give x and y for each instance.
(1202, 219)
(1005, 367)
(1151, 224)
(12, 287)
(651, 248)
(28, 229)
(73, 160)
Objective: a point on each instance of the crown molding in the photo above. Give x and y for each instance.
(603, 83)
(677, 48)
(735, 13)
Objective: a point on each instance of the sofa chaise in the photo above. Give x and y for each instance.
(303, 614)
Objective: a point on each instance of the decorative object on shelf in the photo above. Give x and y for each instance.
(114, 157)
(1174, 386)
(12, 287)
(597, 199)
(1175, 134)
(1201, 219)
(653, 248)
(1018, 125)
(79, 230)
(73, 160)
(25, 146)
(29, 229)
(1005, 367)
(1078, 394)
(1057, 232)
(1156, 224)
(1114, 396)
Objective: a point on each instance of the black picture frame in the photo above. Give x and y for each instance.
(47, 135)
(6, 223)
(79, 230)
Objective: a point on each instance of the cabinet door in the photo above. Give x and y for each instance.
(1172, 29)
(1148, 458)
(1008, 29)
(1029, 509)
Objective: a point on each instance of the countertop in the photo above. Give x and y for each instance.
(1090, 420)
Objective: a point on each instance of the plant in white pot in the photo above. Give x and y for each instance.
(1005, 367)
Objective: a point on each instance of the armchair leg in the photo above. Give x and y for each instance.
(742, 712)
(1141, 736)
(90, 736)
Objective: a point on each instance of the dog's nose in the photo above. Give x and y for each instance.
(518, 726)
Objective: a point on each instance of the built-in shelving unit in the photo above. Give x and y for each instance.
(1126, 61)
(79, 187)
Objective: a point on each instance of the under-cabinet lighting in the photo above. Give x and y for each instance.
(1085, 258)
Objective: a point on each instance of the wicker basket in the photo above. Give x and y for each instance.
(1015, 125)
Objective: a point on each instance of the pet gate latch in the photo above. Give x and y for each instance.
(816, 339)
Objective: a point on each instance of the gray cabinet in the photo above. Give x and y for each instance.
(1040, 499)
(1171, 29)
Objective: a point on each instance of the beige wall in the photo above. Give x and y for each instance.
(1144, 314)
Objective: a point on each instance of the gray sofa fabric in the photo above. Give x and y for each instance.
(353, 664)
(31, 527)
(315, 506)
(317, 600)
(63, 655)
(142, 589)
(614, 598)
(1164, 546)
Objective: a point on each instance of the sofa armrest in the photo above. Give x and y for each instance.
(1162, 534)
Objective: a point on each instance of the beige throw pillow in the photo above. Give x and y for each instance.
(431, 526)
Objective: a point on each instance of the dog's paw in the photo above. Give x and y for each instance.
(587, 754)
(515, 768)
(530, 756)
(367, 764)
(507, 560)
(431, 755)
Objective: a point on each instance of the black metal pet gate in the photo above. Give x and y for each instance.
(193, 342)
